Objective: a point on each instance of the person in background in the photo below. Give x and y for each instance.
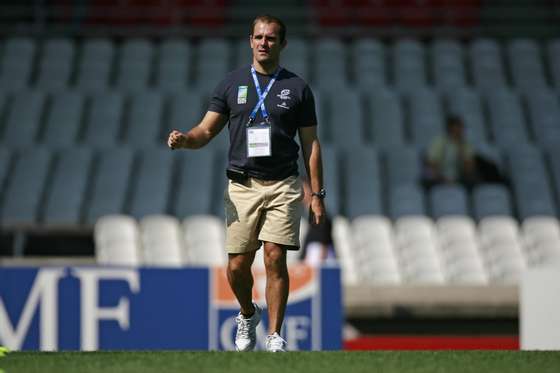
(318, 246)
(450, 158)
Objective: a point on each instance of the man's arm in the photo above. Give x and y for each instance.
(200, 135)
(313, 164)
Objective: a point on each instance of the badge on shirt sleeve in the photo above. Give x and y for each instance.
(242, 94)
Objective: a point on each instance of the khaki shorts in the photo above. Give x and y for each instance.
(259, 210)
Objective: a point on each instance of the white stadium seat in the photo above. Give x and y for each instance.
(117, 240)
(161, 241)
(204, 240)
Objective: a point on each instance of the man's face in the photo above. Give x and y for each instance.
(265, 42)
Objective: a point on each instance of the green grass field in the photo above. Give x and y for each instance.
(231, 362)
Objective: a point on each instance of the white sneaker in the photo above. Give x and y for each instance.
(275, 343)
(246, 336)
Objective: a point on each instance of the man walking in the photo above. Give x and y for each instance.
(265, 105)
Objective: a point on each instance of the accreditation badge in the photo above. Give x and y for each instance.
(259, 138)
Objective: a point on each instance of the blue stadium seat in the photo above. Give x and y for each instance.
(526, 65)
(346, 120)
(554, 163)
(448, 68)
(487, 66)
(385, 119)
(491, 200)
(67, 188)
(23, 123)
(409, 65)
(530, 180)
(507, 120)
(212, 64)
(5, 166)
(17, 63)
(4, 101)
(544, 115)
(332, 180)
(295, 57)
(426, 117)
(329, 67)
(145, 120)
(466, 104)
(103, 125)
(446, 200)
(362, 182)
(406, 200)
(110, 183)
(368, 56)
(23, 197)
(195, 178)
(219, 183)
(152, 187)
(95, 66)
(403, 166)
(553, 49)
(174, 65)
(64, 120)
(56, 65)
(134, 66)
(323, 116)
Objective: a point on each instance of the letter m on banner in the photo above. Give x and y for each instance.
(43, 296)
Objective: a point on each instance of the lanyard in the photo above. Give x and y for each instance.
(261, 95)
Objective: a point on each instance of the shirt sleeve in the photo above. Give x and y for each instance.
(307, 114)
(218, 100)
(435, 151)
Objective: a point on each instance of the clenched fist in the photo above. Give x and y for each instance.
(176, 140)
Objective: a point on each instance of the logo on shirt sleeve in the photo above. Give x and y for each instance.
(242, 94)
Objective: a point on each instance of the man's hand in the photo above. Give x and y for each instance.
(176, 140)
(318, 210)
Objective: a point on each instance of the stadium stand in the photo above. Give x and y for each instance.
(67, 189)
(95, 113)
(64, 118)
(134, 65)
(173, 65)
(110, 184)
(17, 63)
(26, 187)
(24, 119)
(103, 126)
(96, 65)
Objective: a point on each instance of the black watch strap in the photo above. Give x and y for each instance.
(322, 193)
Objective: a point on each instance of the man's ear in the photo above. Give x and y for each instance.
(284, 43)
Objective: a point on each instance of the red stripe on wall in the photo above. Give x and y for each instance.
(433, 343)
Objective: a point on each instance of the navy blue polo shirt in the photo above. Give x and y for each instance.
(290, 105)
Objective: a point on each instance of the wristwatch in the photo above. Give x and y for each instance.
(321, 194)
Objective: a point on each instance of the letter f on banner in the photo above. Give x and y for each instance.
(91, 312)
(44, 292)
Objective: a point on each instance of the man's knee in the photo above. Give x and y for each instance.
(240, 263)
(274, 256)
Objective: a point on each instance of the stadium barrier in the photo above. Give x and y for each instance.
(122, 308)
(540, 309)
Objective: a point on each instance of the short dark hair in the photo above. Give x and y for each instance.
(265, 18)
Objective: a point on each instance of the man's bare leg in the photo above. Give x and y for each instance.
(277, 284)
(241, 280)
